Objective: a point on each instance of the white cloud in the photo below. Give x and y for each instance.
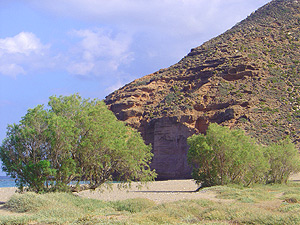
(21, 53)
(23, 43)
(80, 68)
(11, 70)
(154, 34)
(179, 17)
(99, 52)
(163, 29)
(93, 52)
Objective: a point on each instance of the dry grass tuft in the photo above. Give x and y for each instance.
(262, 204)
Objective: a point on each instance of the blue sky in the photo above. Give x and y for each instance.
(92, 47)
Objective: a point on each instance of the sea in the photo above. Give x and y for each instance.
(10, 182)
(7, 182)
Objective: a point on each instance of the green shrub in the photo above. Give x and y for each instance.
(53, 208)
(224, 156)
(243, 194)
(26, 202)
(283, 159)
(17, 220)
(133, 205)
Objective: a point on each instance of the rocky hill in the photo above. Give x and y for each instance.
(248, 77)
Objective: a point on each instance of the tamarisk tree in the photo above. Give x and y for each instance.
(73, 139)
(225, 156)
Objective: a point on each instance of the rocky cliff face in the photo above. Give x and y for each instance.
(248, 78)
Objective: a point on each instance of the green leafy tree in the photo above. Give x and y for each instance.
(225, 156)
(283, 159)
(73, 139)
(24, 151)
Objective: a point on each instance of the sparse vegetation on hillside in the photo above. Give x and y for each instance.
(257, 61)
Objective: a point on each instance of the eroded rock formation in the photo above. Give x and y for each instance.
(246, 78)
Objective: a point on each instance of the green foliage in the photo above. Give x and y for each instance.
(260, 204)
(133, 205)
(52, 208)
(212, 212)
(172, 97)
(28, 202)
(36, 174)
(283, 159)
(74, 139)
(244, 194)
(224, 156)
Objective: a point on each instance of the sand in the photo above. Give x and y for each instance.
(6, 193)
(158, 191)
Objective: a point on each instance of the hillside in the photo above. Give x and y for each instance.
(248, 77)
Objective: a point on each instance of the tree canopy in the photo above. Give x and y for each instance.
(224, 156)
(73, 139)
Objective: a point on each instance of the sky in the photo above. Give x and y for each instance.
(93, 47)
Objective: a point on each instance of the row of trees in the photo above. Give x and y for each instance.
(73, 139)
(76, 139)
(224, 156)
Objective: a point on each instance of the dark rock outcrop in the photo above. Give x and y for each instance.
(169, 141)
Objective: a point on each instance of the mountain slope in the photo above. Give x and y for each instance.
(248, 77)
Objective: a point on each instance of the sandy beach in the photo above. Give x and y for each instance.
(158, 191)
(6, 193)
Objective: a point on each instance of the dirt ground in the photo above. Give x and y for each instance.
(158, 191)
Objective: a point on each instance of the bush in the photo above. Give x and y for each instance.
(224, 156)
(26, 203)
(52, 208)
(283, 159)
(133, 205)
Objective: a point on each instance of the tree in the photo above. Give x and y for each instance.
(225, 156)
(283, 159)
(73, 139)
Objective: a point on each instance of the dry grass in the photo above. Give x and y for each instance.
(263, 204)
